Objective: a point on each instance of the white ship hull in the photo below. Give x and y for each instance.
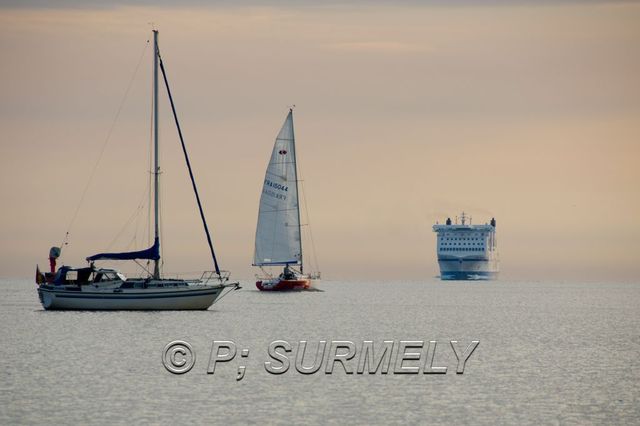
(468, 269)
(188, 297)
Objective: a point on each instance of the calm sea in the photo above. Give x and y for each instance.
(549, 352)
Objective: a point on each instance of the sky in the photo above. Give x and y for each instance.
(406, 113)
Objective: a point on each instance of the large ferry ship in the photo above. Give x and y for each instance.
(466, 251)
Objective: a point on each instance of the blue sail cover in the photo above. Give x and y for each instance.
(152, 253)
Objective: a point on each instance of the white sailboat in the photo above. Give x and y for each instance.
(93, 288)
(278, 233)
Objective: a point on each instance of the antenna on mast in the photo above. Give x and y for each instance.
(463, 218)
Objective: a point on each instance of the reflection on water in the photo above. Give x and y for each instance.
(548, 352)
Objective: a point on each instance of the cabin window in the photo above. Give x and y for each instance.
(109, 276)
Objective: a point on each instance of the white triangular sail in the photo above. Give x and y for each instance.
(278, 239)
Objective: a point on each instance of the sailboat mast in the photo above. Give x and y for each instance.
(156, 161)
(295, 174)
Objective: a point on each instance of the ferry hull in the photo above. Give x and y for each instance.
(284, 285)
(462, 269)
(468, 276)
(157, 299)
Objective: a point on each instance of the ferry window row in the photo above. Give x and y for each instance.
(461, 248)
(461, 239)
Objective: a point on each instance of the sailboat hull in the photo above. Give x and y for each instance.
(129, 299)
(284, 285)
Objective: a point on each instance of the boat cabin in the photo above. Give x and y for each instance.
(78, 276)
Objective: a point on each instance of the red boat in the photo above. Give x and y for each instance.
(280, 284)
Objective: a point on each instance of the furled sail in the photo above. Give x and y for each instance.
(152, 253)
(278, 231)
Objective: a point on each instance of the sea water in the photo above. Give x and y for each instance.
(548, 352)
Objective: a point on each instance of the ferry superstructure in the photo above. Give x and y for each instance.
(466, 251)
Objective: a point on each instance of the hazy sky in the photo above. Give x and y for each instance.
(405, 113)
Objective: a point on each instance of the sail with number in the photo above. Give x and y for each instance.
(278, 239)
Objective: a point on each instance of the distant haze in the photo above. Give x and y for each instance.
(405, 114)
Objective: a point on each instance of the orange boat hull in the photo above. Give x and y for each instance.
(283, 285)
